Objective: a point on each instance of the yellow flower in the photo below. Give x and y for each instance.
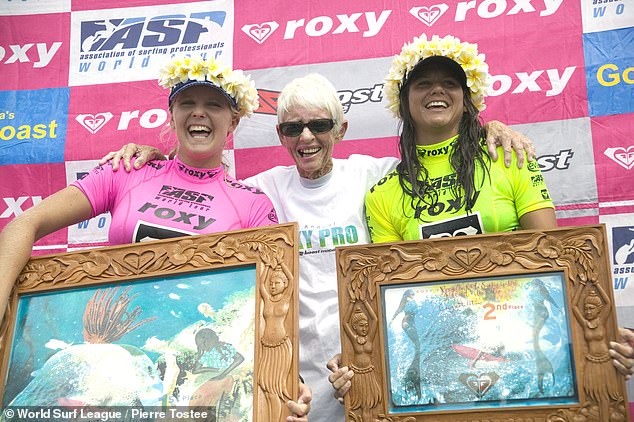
(463, 53)
(238, 86)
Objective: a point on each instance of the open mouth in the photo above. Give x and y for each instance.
(307, 152)
(437, 104)
(199, 131)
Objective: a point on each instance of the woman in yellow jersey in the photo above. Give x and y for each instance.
(446, 185)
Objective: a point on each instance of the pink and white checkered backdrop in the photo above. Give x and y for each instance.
(79, 80)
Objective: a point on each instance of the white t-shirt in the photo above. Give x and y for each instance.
(329, 211)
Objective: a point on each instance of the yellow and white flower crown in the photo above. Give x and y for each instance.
(463, 53)
(182, 72)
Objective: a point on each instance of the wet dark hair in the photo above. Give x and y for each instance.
(466, 154)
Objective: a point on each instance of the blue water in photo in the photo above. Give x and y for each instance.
(50, 336)
(490, 343)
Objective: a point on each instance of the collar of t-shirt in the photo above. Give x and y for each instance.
(316, 183)
(193, 174)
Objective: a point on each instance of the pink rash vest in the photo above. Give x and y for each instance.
(166, 199)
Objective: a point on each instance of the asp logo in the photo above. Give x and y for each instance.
(141, 32)
(622, 156)
(368, 24)
(623, 245)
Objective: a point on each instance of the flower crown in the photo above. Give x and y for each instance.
(238, 87)
(463, 53)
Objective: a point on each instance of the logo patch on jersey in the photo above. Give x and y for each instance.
(273, 215)
(145, 232)
(545, 194)
(460, 226)
(537, 180)
(180, 196)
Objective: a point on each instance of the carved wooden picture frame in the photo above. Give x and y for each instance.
(201, 323)
(501, 327)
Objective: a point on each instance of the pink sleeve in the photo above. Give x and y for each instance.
(97, 186)
(262, 212)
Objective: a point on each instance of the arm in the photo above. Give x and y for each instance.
(539, 219)
(59, 210)
(301, 407)
(623, 353)
(498, 134)
(373, 321)
(144, 153)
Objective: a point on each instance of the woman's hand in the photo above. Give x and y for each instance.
(300, 408)
(340, 377)
(144, 153)
(623, 353)
(498, 134)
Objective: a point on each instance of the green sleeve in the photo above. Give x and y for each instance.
(378, 219)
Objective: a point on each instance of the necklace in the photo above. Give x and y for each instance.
(362, 339)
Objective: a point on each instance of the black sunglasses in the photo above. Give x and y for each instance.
(315, 126)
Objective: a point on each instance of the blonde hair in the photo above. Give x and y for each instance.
(312, 91)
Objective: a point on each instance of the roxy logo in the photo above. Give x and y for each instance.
(94, 122)
(367, 23)
(149, 119)
(14, 205)
(429, 15)
(260, 32)
(486, 9)
(621, 156)
(20, 53)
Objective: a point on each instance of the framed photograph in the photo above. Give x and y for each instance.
(191, 328)
(500, 327)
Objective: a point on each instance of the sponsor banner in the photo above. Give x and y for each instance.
(34, 51)
(130, 44)
(102, 118)
(540, 93)
(535, 84)
(614, 158)
(78, 5)
(609, 59)
(250, 161)
(90, 231)
(564, 155)
(33, 126)
(359, 84)
(284, 33)
(324, 31)
(603, 15)
(28, 186)
(577, 221)
(620, 229)
(33, 7)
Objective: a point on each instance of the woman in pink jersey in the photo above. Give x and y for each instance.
(191, 194)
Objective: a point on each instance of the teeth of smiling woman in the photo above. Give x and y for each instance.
(199, 130)
(309, 151)
(437, 104)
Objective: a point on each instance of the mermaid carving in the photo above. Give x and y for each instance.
(598, 374)
(276, 351)
(365, 392)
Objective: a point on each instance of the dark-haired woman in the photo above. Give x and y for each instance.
(445, 184)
